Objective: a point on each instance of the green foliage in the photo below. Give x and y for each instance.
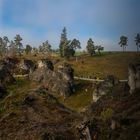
(106, 114)
(45, 48)
(3, 45)
(90, 47)
(63, 42)
(123, 42)
(66, 47)
(18, 44)
(12, 49)
(137, 40)
(35, 51)
(2, 109)
(75, 44)
(28, 49)
(99, 48)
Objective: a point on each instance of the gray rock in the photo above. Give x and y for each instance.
(134, 76)
(61, 81)
(104, 87)
(26, 66)
(45, 63)
(5, 75)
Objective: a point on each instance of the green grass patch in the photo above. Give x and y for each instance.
(81, 98)
(15, 95)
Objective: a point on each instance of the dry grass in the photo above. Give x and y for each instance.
(96, 66)
(115, 63)
(100, 66)
(16, 94)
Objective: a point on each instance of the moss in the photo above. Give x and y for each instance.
(81, 98)
(15, 95)
(106, 114)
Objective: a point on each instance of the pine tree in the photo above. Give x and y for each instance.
(63, 43)
(18, 44)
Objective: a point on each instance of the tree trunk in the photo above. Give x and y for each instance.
(123, 48)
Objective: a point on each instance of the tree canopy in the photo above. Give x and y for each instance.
(123, 42)
(90, 47)
(137, 40)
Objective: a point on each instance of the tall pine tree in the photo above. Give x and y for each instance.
(63, 42)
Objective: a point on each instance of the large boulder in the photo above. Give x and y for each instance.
(104, 87)
(11, 64)
(26, 66)
(5, 75)
(2, 91)
(60, 81)
(45, 63)
(134, 76)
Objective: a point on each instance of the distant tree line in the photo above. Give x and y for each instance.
(67, 48)
(10, 48)
(124, 40)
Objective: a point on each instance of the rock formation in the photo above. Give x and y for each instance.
(26, 67)
(2, 91)
(60, 82)
(5, 75)
(39, 117)
(134, 76)
(11, 64)
(104, 87)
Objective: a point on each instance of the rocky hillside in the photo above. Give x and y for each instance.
(39, 116)
(36, 114)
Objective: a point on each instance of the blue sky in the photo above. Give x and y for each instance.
(102, 20)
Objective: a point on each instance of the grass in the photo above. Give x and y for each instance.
(96, 66)
(81, 98)
(115, 63)
(16, 94)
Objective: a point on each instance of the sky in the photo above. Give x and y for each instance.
(102, 20)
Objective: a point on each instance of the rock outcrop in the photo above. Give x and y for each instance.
(39, 116)
(45, 63)
(104, 87)
(11, 64)
(60, 82)
(5, 75)
(26, 66)
(115, 113)
(3, 91)
(134, 76)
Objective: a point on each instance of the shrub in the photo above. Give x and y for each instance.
(106, 114)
